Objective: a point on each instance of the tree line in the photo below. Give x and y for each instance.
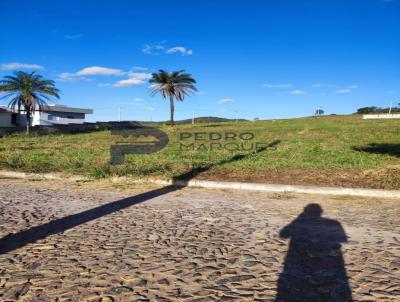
(377, 110)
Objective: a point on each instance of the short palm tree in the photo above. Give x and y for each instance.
(175, 85)
(27, 92)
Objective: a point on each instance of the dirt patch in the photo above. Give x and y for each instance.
(388, 179)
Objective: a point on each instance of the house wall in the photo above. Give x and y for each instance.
(55, 117)
(5, 119)
(44, 118)
(380, 116)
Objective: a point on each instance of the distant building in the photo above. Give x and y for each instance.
(381, 116)
(48, 116)
(58, 114)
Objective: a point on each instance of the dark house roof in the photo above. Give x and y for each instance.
(59, 108)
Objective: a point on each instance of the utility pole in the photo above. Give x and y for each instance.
(119, 113)
(193, 118)
(237, 116)
(390, 108)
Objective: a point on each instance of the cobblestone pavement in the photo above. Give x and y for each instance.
(193, 245)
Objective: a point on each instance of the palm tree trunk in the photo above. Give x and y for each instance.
(28, 121)
(171, 103)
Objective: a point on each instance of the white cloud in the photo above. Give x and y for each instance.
(89, 71)
(348, 89)
(320, 85)
(135, 79)
(276, 85)
(182, 50)
(138, 100)
(158, 48)
(16, 65)
(129, 82)
(140, 68)
(67, 76)
(153, 48)
(297, 92)
(225, 101)
(150, 109)
(73, 37)
(345, 90)
(97, 70)
(140, 75)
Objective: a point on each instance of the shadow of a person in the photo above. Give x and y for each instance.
(314, 269)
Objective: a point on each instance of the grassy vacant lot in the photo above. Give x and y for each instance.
(333, 151)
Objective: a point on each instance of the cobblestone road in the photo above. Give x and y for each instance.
(69, 242)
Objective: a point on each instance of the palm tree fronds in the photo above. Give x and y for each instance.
(175, 85)
(29, 91)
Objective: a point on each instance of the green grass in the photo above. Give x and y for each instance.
(311, 151)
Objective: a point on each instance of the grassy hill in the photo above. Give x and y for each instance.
(201, 120)
(332, 151)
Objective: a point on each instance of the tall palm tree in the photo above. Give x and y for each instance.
(175, 85)
(27, 92)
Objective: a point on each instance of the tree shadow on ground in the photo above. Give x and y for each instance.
(389, 149)
(314, 268)
(198, 170)
(17, 240)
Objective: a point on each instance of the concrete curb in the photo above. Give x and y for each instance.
(280, 188)
(223, 185)
(50, 176)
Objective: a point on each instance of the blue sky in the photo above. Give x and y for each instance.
(258, 58)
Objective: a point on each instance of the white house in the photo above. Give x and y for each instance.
(49, 115)
(381, 116)
(58, 114)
